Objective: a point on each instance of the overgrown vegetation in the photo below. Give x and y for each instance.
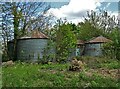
(18, 19)
(112, 49)
(52, 70)
(64, 35)
(57, 75)
(65, 42)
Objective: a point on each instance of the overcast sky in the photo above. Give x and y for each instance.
(74, 10)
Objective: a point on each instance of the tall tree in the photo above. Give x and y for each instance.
(21, 17)
(65, 41)
(113, 49)
(96, 23)
(102, 20)
(88, 31)
(102, 24)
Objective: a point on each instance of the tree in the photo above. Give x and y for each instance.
(65, 41)
(96, 23)
(112, 49)
(102, 20)
(20, 18)
(102, 24)
(88, 31)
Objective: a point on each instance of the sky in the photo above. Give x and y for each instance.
(75, 10)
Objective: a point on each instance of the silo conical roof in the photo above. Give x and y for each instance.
(38, 34)
(35, 34)
(80, 42)
(99, 39)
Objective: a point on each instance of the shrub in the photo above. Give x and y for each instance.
(65, 42)
(112, 49)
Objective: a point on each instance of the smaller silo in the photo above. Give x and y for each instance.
(78, 51)
(94, 46)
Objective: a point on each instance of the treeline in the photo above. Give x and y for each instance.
(19, 19)
(65, 34)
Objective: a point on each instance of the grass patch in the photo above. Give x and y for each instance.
(0, 77)
(100, 62)
(57, 75)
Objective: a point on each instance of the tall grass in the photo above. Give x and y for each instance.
(57, 75)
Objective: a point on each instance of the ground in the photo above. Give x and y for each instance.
(98, 72)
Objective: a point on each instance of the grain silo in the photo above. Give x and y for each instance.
(10, 49)
(78, 51)
(94, 46)
(31, 47)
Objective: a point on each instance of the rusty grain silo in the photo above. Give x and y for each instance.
(94, 46)
(31, 47)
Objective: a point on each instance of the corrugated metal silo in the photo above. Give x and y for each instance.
(78, 51)
(31, 48)
(10, 49)
(93, 47)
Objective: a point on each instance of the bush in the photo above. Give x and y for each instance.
(65, 42)
(112, 49)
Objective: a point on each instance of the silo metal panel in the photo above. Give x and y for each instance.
(93, 49)
(30, 49)
(10, 46)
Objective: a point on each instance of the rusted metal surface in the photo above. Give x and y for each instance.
(94, 46)
(29, 47)
(80, 42)
(99, 39)
(35, 34)
(93, 49)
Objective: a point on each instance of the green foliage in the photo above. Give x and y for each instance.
(108, 50)
(48, 52)
(88, 31)
(0, 77)
(99, 62)
(65, 42)
(4, 56)
(111, 65)
(101, 20)
(113, 49)
(54, 75)
(96, 80)
(96, 24)
(21, 22)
